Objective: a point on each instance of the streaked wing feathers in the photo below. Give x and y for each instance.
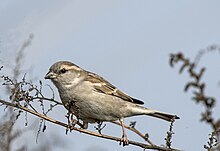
(103, 86)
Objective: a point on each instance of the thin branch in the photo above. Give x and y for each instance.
(198, 86)
(135, 131)
(170, 134)
(114, 122)
(47, 99)
(145, 146)
(199, 95)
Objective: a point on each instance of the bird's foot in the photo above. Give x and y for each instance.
(124, 140)
(73, 122)
(83, 125)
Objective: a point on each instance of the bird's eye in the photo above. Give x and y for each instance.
(63, 70)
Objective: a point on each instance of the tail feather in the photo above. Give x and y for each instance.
(164, 116)
(139, 110)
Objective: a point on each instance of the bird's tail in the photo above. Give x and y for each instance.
(154, 113)
(164, 116)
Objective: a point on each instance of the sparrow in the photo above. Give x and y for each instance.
(93, 99)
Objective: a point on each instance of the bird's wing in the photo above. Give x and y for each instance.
(103, 86)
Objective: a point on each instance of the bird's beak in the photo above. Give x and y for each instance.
(50, 75)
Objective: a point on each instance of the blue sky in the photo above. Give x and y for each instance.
(128, 42)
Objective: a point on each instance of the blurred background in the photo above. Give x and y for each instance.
(128, 43)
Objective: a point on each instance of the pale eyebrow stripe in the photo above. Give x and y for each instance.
(71, 67)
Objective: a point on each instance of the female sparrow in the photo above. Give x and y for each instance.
(93, 99)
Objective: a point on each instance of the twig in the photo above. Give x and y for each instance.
(170, 134)
(213, 141)
(135, 131)
(199, 87)
(200, 96)
(47, 99)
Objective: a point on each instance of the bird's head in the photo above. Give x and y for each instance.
(63, 73)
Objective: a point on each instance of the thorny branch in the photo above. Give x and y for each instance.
(20, 56)
(202, 52)
(213, 141)
(8, 134)
(199, 87)
(170, 134)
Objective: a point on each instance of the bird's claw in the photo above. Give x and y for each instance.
(83, 125)
(124, 140)
(72, 123)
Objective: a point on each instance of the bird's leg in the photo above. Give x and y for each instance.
(124, 139)
(73, 120)
(73, 117)
(84, 125)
